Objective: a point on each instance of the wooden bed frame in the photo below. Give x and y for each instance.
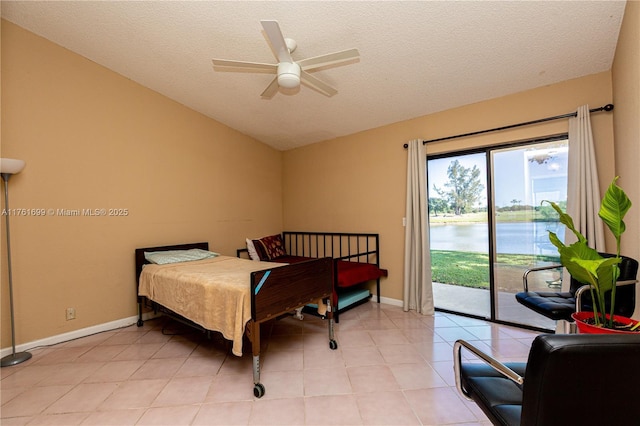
(274, 292)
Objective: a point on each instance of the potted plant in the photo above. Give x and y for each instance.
(588, 266)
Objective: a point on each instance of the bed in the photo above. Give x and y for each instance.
(356, 259)
(251, 293)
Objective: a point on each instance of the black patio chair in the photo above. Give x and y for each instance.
(559, 305)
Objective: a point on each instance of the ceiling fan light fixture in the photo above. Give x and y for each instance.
(288, 75)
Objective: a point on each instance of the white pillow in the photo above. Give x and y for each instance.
(253, 254)
(175, 256)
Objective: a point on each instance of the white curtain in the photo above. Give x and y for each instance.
(418, 289)
(583, 196)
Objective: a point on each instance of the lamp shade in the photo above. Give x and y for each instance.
(11, 165)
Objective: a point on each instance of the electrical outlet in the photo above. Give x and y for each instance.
(71, 313)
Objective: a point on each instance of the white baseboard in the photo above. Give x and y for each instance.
(76, 334)
(125, 322)
(387, 300)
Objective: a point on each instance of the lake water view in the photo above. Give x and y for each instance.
(511, 237)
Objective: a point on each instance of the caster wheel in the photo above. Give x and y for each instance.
(258, 390)
(139, 323)
(333, 344)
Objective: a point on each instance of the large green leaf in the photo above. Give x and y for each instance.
(602, 270)
(567, 221)
(581, 261)
(615, 205)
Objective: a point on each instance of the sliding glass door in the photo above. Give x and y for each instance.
(523, 177)
(459, 233)
(487, 226)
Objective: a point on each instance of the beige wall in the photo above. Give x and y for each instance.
(357, 183)
(626, 95)
(94, 139)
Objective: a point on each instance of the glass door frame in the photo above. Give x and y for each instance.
(487, 150)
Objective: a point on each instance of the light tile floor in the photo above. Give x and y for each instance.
(391, 367)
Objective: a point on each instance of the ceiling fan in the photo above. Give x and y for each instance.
(290, 73)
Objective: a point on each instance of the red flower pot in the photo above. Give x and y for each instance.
(586, 328)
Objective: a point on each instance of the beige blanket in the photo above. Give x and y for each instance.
(213, 293)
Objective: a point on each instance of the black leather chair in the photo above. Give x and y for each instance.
(569, 379)
(558, 305)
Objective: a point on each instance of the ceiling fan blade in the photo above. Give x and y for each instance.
(317, 84)
(243, 64)
(272, 29)
(271, 89)
(329, 59)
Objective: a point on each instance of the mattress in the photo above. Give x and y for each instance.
(213, 293)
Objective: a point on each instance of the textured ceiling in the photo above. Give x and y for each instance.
(416, 57)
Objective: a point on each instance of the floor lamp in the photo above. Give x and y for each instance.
(8, 167)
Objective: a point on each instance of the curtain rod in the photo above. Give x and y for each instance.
(607, 107)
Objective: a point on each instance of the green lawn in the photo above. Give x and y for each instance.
(472, 269)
